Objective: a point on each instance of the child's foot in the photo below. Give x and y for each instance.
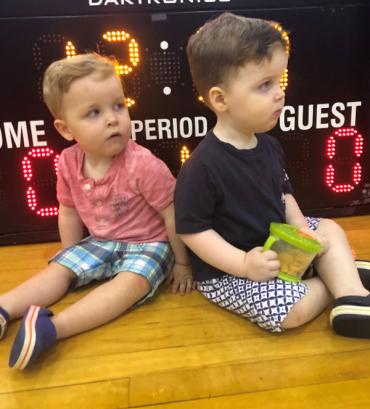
(4, 319)
(363, 268)
(350, 316)
(36, 334)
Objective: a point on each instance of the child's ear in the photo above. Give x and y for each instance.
(216, 96)
(63, 129)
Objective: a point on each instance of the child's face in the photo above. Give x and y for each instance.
(95, 115)
(253, 97)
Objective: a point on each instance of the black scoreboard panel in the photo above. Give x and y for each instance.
(324, 128)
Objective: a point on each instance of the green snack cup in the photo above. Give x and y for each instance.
(295, 250)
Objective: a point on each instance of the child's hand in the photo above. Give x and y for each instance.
(181, 278)
(321, 239)
(261, 265)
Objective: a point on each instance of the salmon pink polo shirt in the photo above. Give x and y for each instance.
(125, 204)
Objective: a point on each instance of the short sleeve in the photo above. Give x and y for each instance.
(287, 186)
(63, 189)
(156, 182)
(195, 199)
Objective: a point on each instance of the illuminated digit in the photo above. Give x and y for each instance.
(31, 195)
(134, 55)
(284, 34)
(331, 152)
(284, 80)
(184, 154)
(70, 50)
(114, 37)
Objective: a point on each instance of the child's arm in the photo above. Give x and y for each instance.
(255, 264)
(70, 226)
(181, 276)
(294, 216)
(293, 213)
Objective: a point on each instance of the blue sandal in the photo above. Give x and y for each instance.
(36, 334)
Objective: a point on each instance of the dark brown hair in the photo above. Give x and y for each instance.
(226, 43)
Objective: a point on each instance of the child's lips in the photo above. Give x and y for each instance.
(277, 113)
(115, 135)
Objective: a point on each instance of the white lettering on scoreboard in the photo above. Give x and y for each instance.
(319, 116)
(163, 128)
(23, 134)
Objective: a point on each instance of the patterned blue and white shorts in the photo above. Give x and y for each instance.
(266, 303)
(92, 259)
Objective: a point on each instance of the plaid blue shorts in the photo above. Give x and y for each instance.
(265, 303)
(92, 259)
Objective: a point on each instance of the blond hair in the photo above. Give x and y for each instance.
(226, 43)
(59, 76)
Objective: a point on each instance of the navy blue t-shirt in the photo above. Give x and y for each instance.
(236, 192)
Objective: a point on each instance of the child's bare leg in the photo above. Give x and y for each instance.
(42, 289)
(310, 306)
(336, 267)
(39, 330)
(350, 315)
(103, 304)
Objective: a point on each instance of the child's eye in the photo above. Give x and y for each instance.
(93, 113)
(119, 105)
(265, 86)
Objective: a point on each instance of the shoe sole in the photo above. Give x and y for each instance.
(351, 321)
(29, 338)
(363, 264)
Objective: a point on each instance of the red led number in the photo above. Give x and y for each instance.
(31, 194)
(331, 152)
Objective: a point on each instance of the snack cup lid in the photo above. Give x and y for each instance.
(294, 237)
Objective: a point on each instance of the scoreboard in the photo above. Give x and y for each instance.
(324, 127)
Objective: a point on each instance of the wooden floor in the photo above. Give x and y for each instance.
(182, 352)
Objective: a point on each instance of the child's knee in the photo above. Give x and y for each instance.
(296, 317)
(143, 282)
(329, 227)
(331, 232)
(139, 282)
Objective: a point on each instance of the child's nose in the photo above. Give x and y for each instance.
(280, 94)
(112, 118)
